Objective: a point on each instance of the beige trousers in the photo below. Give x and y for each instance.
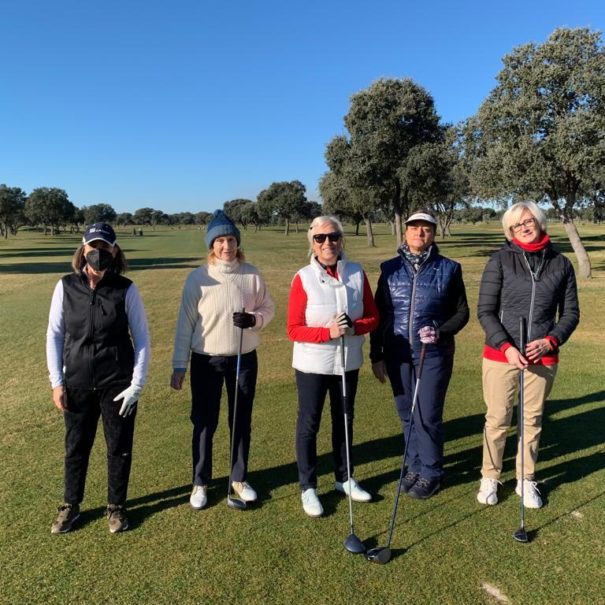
(500, 392)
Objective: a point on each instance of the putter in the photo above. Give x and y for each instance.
(521, 535)
(231, 501)
(382, 554)
(353, 544)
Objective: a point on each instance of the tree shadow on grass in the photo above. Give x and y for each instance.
(30, 252)
(561, 436)
(138, 264)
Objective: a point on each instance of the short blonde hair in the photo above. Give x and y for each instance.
(513, 214)
(320, 221)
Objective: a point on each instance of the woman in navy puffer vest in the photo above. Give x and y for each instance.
(421, 299)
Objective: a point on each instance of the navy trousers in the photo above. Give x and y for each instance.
(312, 390)
(425, 448)
(208, 373)
(81, 418)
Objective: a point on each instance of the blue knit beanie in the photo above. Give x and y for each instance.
(220, 225)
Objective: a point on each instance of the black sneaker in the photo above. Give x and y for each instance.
(117, 519)
(424, 488)
(408, 481)
(68, 514)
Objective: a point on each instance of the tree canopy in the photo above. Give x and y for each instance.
(49, 207)
(12, 206)
(285, 199)
(540, 134)
(385, 122)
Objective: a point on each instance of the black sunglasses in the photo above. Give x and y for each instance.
(320, 238)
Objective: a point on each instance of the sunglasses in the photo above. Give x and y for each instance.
(320, 238)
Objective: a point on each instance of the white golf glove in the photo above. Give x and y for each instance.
(130, 396)
(429, 335)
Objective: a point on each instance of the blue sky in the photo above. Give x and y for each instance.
(186, 104)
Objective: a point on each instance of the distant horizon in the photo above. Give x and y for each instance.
(184, 108)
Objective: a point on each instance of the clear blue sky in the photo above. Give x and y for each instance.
(186, 104)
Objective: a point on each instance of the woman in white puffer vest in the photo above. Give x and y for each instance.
(329, 298)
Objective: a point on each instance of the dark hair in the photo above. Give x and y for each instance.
(118, 265)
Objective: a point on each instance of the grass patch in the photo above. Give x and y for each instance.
(447, 550)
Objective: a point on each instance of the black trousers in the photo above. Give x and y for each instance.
(312, 390)
(208, 373)
(81, 418)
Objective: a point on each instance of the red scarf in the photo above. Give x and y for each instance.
(534, 246)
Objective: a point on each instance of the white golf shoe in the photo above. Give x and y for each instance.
(488, 492)
(199, 497)
(531, 495)
(358, 494)
(311, 504)
(244, 490)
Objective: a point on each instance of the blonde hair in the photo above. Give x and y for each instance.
(320, 221)
(513, 214)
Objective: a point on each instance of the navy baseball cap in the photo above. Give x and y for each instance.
(99, 231)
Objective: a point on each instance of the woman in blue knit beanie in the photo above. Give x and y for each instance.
(224, 306)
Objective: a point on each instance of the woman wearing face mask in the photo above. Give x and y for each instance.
(330, 306)
(97, 348)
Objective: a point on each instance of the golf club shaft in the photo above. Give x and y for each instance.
(346, 420)
(405, 447)
(521, 420)
(235, 397)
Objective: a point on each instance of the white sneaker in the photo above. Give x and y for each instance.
(488, 491)
(199, 497)
(358, 494)
(311, 504)
(531, 495)
(244, 490)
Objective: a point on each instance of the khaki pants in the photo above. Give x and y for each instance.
(500, 392)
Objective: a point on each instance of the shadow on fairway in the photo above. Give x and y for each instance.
(139, 509)
(137, 264)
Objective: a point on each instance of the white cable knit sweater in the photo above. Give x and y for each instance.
(212, 293)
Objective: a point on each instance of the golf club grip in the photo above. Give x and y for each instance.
(522, 335)
(421, 362)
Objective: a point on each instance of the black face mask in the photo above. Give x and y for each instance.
(99, 259)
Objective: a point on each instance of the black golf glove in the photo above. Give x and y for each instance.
(244, 320)
(344, 321)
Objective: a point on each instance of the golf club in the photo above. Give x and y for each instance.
(382, 554)
(353, 544)
(521, 535)
(235, 502)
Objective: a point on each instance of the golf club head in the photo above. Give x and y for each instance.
(235, 503)
(354, 545)
(521, 535)
(380, 555)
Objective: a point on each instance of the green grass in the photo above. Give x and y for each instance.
(446, 549)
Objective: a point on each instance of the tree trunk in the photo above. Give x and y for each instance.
(287, 226)
(357, 226)
(584, 266)
(398, 230)
(369, 232)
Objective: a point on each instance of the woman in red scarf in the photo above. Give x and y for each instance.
(527, 278)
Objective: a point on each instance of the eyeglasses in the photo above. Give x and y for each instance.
(320, 238)
(528, 222)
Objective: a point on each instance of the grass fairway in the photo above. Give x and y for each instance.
(446, 550)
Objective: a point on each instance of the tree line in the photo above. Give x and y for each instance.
(539, 135)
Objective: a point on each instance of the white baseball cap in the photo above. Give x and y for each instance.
(421, 216)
